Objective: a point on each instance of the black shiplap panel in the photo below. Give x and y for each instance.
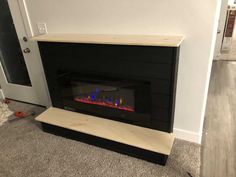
(162, 126)
(160, 114)
(160, 101)
(161, 86)
(146, 70)
(117, 60)
(149, 54)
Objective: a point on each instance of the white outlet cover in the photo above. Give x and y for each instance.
(42, 28)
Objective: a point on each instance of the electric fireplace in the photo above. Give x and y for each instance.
(130, 84)
(113, 97)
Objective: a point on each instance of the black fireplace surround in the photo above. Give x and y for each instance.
(131, 84)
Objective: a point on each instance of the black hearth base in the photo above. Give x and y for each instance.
(150, 156)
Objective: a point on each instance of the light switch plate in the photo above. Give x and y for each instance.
(42, 28)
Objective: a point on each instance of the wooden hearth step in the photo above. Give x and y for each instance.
(133, 136)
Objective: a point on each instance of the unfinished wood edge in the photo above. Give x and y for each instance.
(181, 41)
(164, 40)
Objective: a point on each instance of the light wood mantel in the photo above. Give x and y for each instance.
(143, 40)
(144, 138)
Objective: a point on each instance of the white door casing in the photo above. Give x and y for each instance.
(221, 27)
(38, 93)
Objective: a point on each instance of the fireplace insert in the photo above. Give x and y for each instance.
(112, 97)
(131, 84)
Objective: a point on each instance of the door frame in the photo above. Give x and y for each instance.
(38, 93)
(221, 28)
(25, 17)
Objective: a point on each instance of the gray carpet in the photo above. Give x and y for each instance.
(27, 151)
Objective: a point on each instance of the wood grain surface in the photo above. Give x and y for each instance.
(146, 40)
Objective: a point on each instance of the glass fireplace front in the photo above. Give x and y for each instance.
(110, 97)
(116, 97)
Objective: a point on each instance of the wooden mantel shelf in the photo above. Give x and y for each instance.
(143, 40)
(144, 138)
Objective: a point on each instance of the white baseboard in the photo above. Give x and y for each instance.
(1, 95)
(187, 135)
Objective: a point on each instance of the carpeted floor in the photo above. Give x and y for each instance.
(27, 151)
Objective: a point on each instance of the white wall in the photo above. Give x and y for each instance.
(196, 20)
(231, 2)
